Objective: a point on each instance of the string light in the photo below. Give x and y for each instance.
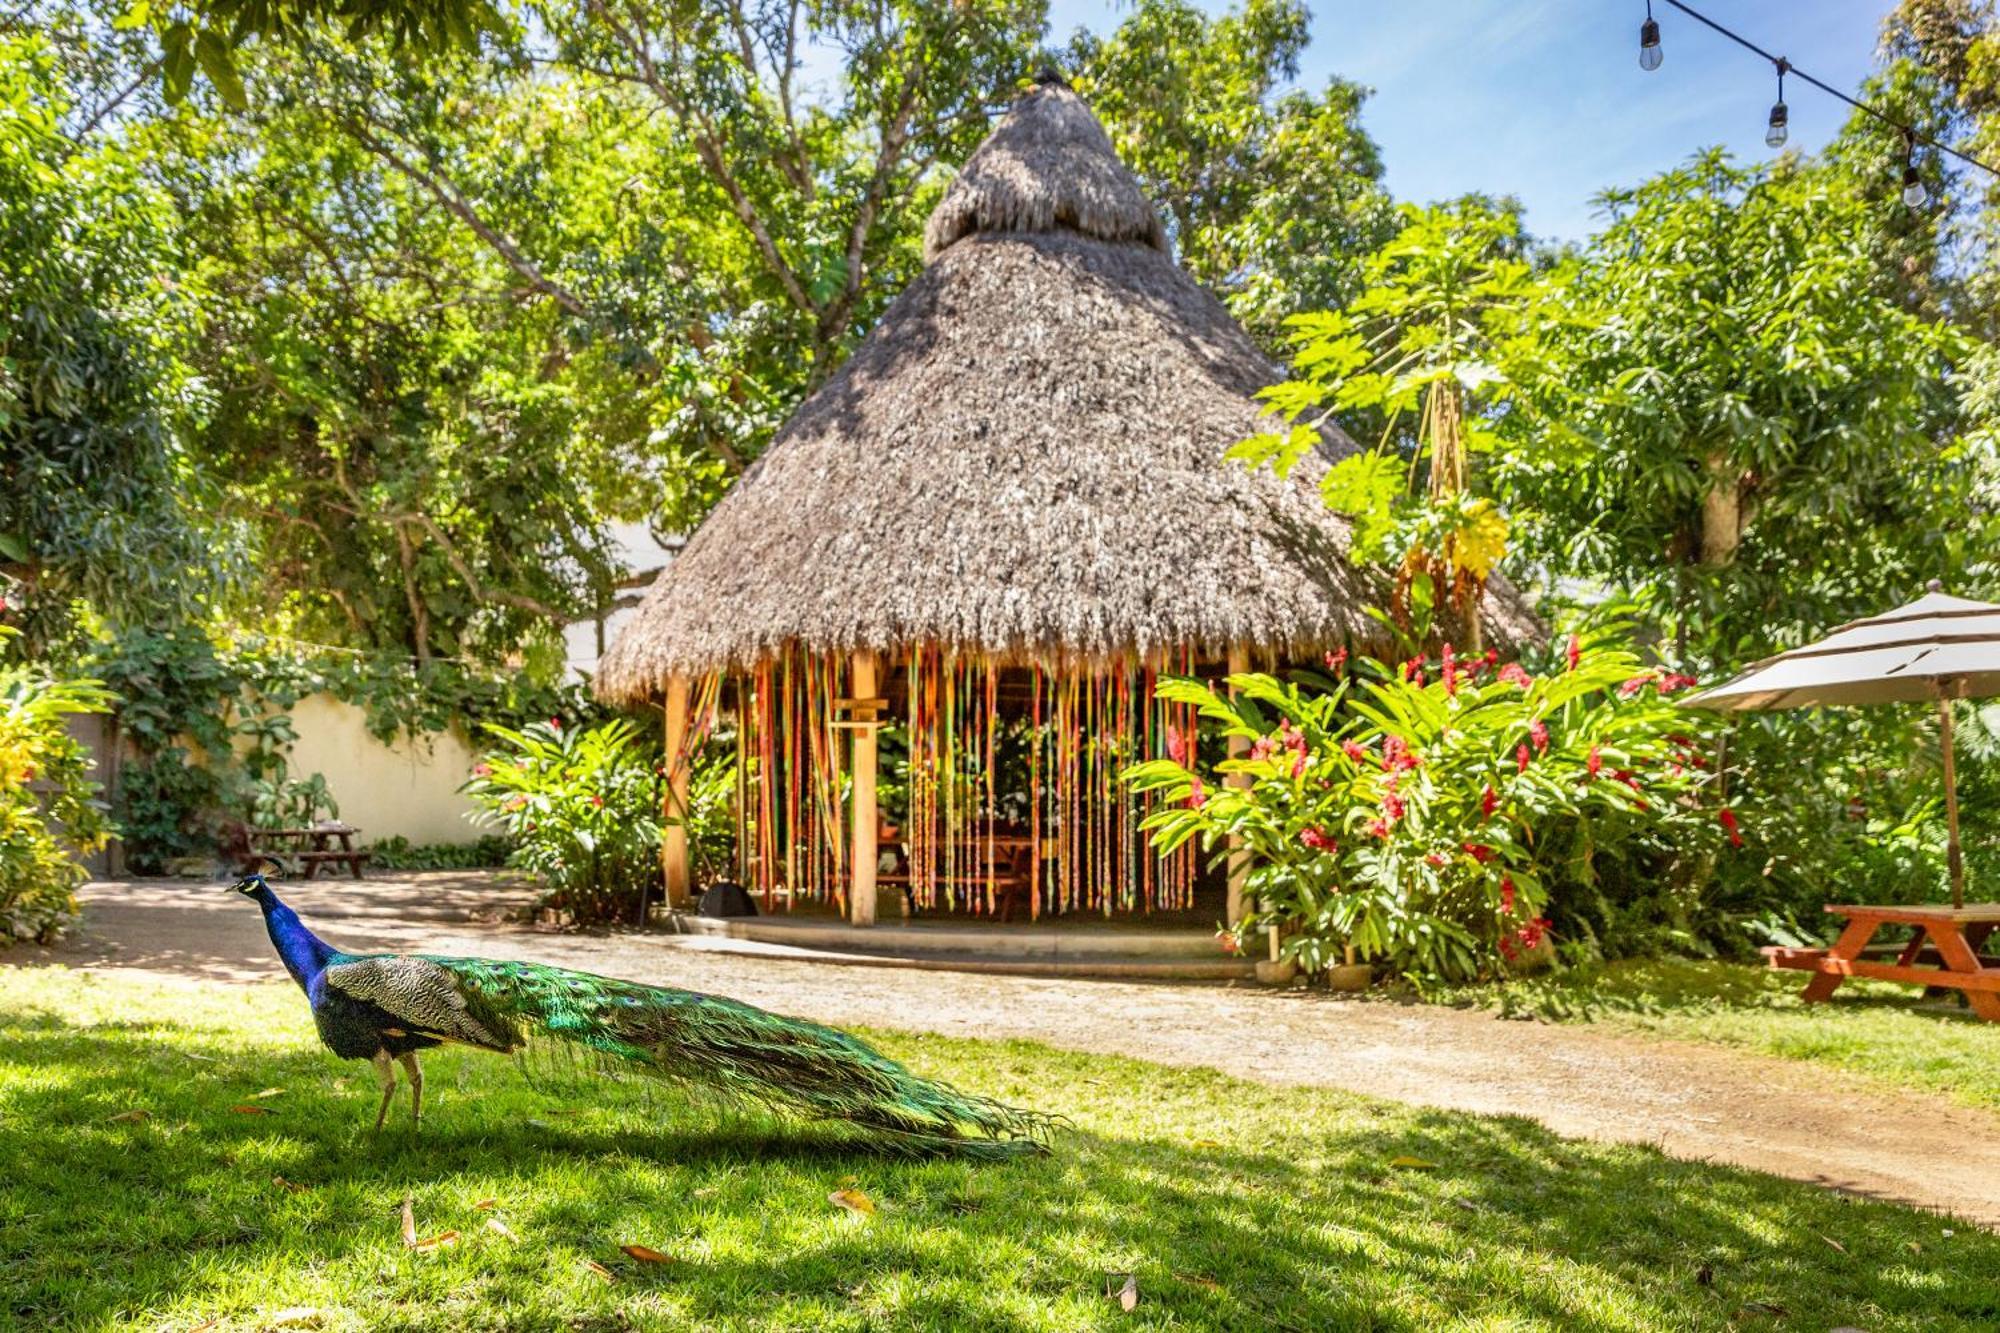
(1914, 193)
(1778, 127)
(1776, 132)
(1650, 54)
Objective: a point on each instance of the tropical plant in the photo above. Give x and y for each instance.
(1437, 817)
(49, 811)
(1421, 349)
(582, 805)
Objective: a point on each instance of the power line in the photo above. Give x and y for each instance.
(1650, 43)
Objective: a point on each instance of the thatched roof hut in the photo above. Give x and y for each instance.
(1023, 459)
(1018, 474)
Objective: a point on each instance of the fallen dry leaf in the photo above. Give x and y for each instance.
(248, 1109)
(204, 1326)
(409, 1220)
(1128, 1293)
(646, 1254)
(131, 1117)
(500, 1228)
(289, 1186)
(1836, 1244)
(296, 1316)
(1408, 1163)
(268, 1092)
(853, 1200)
(1198, 1280)
(600, 1270)
(437, 1242)
(487, 1205)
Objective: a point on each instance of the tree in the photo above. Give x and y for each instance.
(1424, 349)
(99, 498)
(1755, 435)
(1272, 197)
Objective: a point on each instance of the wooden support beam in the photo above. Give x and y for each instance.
(863, 815)
(1239, 860)
(674, 839)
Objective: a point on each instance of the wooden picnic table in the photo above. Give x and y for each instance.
(1944, 950)
(312, 846)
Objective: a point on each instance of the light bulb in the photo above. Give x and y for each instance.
(1914, 193)
(1776, 132)
(1650, 54)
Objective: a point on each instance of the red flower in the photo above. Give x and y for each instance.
(1593, 764)
(1414, 668)
(1574, 653)
(1197, 796)
(1479, 852)
(1728, 818)
(1507, 949)
(1488, 802)
(1628, 777)
(1436, 858)
(556, 722)
(1531, 934)
(597, 801)
(1358, 753)
(1317, 839)
(1538, 732)
(1513, 674)
(1176, 747)
(1633, 686)
(1378, 828)
(1521, 757)
(482, 770)
(1507, 895)
(1336, 659)
(1393, 807)
(1450, 672)
(1675, 681)
(1298, 766)
(1226, 940)
(1261, 750)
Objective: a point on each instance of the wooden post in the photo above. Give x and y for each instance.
(1239, 860)
(863, 852)
(1954, 856)
(674, 838)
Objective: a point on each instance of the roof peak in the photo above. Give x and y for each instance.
(1047, 166)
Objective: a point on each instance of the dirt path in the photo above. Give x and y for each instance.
(1692, 1101)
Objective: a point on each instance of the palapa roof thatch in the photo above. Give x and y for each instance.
(1024, 458)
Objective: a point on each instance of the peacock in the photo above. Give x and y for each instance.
(386, 1008)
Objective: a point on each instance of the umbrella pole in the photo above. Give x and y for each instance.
(1953, 857)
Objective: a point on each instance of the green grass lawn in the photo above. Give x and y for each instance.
(1233, 1205)
(1878, 1029)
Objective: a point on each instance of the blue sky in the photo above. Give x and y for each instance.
(1545, 99)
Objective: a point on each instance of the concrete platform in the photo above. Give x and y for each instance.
(1087, 949)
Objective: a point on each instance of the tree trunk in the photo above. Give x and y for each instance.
(1722, 511)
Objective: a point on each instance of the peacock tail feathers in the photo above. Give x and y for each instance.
(704, 1042)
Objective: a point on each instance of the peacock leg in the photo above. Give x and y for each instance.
(416, 1073)
(385, 1073)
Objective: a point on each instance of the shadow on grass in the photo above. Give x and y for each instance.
(1305, 1210)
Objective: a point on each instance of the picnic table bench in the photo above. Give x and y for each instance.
(1945, 950)
(311, 847)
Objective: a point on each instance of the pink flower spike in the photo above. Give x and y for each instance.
(1197, 795)
(1176, 747)
(1574, 653)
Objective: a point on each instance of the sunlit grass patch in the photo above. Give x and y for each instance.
(1232, 1205)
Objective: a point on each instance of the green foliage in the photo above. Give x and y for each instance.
(582, 806)
(99, 496)
(1429, 822)
(49, 812)
(1428, 340)
(399, 853)
(1272, 195)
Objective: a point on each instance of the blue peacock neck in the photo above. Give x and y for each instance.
(305, 954)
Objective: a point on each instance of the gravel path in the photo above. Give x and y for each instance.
(1792, 1119)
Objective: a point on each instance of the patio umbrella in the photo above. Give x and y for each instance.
(1937, 648)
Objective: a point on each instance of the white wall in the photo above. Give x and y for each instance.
(408, 788)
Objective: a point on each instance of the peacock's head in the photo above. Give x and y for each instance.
(253, 883)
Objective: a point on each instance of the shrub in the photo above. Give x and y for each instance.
(49, 810)
(399, 853)
(1428, 817)
(582, 806)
